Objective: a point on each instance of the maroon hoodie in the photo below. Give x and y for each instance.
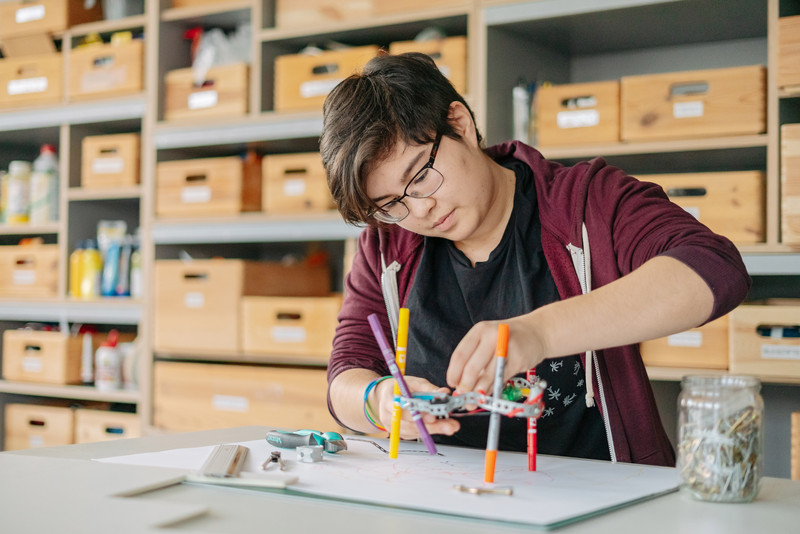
(627, 222)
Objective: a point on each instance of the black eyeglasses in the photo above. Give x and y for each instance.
(425, 183)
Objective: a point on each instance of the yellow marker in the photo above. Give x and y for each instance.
(400, 357)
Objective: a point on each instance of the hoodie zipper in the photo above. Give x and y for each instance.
(391, 298)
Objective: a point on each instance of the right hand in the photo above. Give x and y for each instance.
(382, 402)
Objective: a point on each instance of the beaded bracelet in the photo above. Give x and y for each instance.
(367, 407)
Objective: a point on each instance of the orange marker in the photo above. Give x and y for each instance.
(494, 419)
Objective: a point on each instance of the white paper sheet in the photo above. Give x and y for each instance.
(561, 490)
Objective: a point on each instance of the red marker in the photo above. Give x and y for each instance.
(531, 426)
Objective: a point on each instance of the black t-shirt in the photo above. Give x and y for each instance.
(449, 296)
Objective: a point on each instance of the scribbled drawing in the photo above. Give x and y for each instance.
(569, 398)
(553, 394)
(580, 383)
(576, 368)
(548, 411)
(556, 365)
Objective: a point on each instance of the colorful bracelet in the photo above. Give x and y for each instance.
(367, 407)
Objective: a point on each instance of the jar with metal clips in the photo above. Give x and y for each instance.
(720, 437)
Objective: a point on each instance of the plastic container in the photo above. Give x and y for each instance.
(87, 360)
(44, 187)
(75, 270)
(18, 191)
(136, 272)
(720, 437)
(91, 269)
(108, 364)
(108, 284)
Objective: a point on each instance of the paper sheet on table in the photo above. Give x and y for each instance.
(562, 490)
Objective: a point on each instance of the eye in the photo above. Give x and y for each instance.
(419, 179)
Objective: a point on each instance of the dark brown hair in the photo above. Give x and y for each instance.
(396, 98)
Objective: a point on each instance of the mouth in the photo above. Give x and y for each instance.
(443, 220)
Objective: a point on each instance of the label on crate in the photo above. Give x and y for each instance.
(579, 118)
(29, 14)
(685, 110)
(780, 352)
(288, 334)
(294, 187)
(32, 364)
(230, 403)
(202, 100)
(36, 441)
(26, 86)
(195, 194)
(194, 299)
(685, 339)
(318, 87)
(23, 277)
(108, 165)
(103, 80)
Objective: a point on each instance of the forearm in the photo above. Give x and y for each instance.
(347, 398)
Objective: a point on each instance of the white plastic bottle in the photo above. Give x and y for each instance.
(44, 187)
(108, 364)
(18, 192)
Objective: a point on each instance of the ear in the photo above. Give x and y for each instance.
(459, 117)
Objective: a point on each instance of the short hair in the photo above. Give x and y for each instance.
(395, 98)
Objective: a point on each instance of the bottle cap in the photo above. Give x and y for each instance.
(111, 340)
(19, 166)
(48, 148)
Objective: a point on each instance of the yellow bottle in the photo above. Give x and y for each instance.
(91, 270)
(75, 271)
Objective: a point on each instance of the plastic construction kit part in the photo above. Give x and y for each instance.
(309, 454)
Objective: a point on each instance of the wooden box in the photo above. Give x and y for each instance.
(104, 425)
(110, 160)
(29, 271)
(450, 55)
(295, 326)
(577, 114)
(765, 340)
(703, 103)
(788, 76)
(705, 347)
(790, 184)
(45, 16)
(729, 203)
(30, 81)
(295, 183)
(224, 93)
(197, 303)
(305, 13)
(199, 396)
(303, 81)
(30, 425)
(106, 70)
(38, 356)
(208, 186)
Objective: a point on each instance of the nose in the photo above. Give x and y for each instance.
(419, 207)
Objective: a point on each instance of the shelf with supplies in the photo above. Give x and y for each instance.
(69, 392)
(29, 229)
(104, 110)
(110, 193)
(672, 374)
(108, 310)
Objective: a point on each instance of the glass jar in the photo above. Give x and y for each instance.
(720, 437)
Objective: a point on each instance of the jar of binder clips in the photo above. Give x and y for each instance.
(720, 437)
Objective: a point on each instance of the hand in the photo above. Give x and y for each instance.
(473, 363)
(384, 408)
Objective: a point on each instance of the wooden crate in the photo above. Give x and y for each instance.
(705, 347)
(450, 55)
(295, 326)
(104, 425)
(29, 271)
(193, 3)
(577, 114)
(703, 103)
(788, 76)
(45, 16)
(756, 346)
(790, 184)
(38, 356)
(110, 160)
(31, 81)
(303, 81)
(31, 425)
(200, 396)
(729, 203)
(208, 186)
(796, 446)
(224, 93)
(304, 13)
(106, 70)
(197, 303)
(295, 183)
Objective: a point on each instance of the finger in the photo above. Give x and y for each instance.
(461, 355)
(478, 362)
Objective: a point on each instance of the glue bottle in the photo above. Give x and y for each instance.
(108, 364)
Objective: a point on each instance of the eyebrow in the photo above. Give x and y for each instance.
(411, 166)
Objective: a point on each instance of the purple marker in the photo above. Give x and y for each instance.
(388, 355)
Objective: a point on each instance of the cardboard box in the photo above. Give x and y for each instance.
(729, 203)
(765, 340)
(790, 184)
(110, 160)
(450, 55)
(303, 81)
(38, 356)
(106, 70)
(208, 186)
(705, 347)
(46, 16)
(31, 81)
(199, 396)
(104, 425)
(224, 93)
(304, 13)
(294, 326)
(30, 425)
(197, 304)
(703, 103)
(788, 76)
(577, 114)
(295, 183)
(29, 271)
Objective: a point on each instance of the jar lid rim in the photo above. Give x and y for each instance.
(722, 380)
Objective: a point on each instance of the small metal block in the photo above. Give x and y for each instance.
(309, 454)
